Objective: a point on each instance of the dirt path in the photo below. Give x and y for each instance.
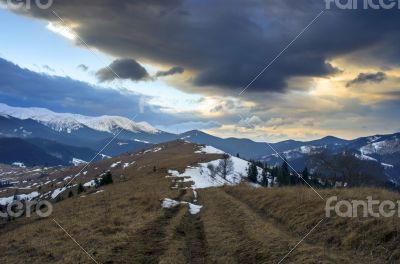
(195, 241)
(237, 234)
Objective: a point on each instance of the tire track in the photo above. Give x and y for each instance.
(330, 255)
(190, 230)
(193, 230)
(147, 245)
(237, 234)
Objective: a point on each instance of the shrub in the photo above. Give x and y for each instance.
(106, 179)
(81, 189)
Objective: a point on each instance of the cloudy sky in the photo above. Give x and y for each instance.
(181, 65)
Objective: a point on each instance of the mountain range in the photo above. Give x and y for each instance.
(65, 137)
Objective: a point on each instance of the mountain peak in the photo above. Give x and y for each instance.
(70, 122)
(193, 133)
(331, 138)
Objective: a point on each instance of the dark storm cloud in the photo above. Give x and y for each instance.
(23, 87)
(368, 78)
(172, 71)
(122, 69)
(225, 43)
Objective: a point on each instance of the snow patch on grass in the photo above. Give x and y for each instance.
(194, 209)
(201, 176)
(157, 149)
(78, 162)
(57, 192)
(115, 164)
(67, 178)
(209, 150)
(91, 183)
(169, 203)
(25, 197)
(126, 165)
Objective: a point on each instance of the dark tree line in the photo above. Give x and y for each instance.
(254, 176)
(328, 170)
(346, 168)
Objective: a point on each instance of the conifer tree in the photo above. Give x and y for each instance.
(284, 174)
(265, 177)
(305, 174)
(81, 189)
(106, 179)
(252, 172)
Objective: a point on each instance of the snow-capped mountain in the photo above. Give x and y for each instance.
(79, 130)
(381, 146)
(383, 150)
(65, 122)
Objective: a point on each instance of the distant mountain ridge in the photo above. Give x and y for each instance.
(257, 150)
(95, 132)
(70, 122)
(77, 130)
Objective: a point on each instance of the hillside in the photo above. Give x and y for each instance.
(18, 150)
(42, 152)
(159, 210)
(64, 152)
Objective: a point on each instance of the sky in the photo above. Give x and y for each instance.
(181, 65)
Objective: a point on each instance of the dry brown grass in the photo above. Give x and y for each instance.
(296, 210)
(126, 224)
(123, 224)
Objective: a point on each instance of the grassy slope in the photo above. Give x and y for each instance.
(264, 223)
(125, 223)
